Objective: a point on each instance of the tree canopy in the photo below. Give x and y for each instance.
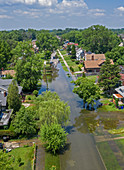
(52, 109)
(46, 41)
(24, 122)
(117, 55)
(109, 77)
(54, 136)
(28, 66)
(97, 39)
(87, 90)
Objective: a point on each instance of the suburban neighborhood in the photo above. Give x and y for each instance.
(62, 99)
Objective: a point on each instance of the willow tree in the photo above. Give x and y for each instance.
(52, 109)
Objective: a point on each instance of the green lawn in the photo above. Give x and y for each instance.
(52, 160)
(120, 144)
(26, 155)
(108, 156)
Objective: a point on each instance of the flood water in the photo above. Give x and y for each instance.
(84, 128)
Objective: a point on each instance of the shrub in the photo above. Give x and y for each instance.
(71, 68)
(77, 62)
(35, 92)
(54, 136)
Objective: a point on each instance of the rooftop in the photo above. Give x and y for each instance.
(4, 117)
(120, 90)
(95, 57)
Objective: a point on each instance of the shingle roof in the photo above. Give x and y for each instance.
(93, 63)
(96, 57)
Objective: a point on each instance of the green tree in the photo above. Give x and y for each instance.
(5, 54)
(54, 136)
(47, 54)
(52, 109)
(28, 67)
(73, 52)
(117, 55)
(87, 90)
(13, 98)
(46, 41)
(109, 77)
(24, 122)
(68, 48)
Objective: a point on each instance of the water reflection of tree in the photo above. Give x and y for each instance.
(86, 123)
(109, 123)
(51, 74)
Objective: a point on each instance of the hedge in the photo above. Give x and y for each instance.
(7, 133)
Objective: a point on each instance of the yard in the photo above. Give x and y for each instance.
(26, 155)
(108, 156)
(52, 161)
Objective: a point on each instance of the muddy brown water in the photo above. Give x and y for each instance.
(81, 153)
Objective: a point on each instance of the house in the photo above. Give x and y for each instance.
(93, 62)
(119, 94)
(3, 73)
(80, 54)
(4, 84)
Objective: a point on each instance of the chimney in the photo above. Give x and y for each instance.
(92, 57)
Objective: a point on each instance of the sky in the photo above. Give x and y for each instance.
(55, 14)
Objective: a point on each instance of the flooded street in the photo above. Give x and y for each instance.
(85, 128)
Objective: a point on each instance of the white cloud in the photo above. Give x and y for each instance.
(121, 9)
(33, 13)
(96, 12)
(74, 7)
(99, 14)
(5, 16)
(30, 1)
(47, 2)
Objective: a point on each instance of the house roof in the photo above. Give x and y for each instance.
(117, 96)
(96, 57)
(93, 63)
(120, 90)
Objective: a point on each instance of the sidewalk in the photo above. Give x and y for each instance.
(73, 77)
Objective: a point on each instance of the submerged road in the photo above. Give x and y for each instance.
(81, 153)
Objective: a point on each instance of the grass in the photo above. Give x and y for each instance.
(26, 155)
(108, 156)
(52, 160)
(92, 78)
(120, 144)
(117, 131)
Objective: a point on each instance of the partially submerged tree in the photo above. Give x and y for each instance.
(87, 90)
(52, 109)
(13, 97)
